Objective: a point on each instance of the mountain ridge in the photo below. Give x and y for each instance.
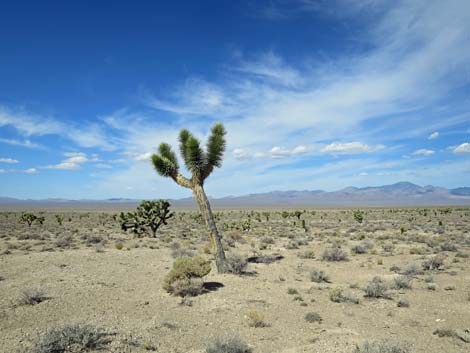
(400, 193)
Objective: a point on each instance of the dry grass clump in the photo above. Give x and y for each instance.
(383, 346)
(255, 319)
(71, 338)
(334, 254)
(319, 276)
(339, 295)
(402, 282)
(236, 264)
(228, 344)
(376, 288)
(31, 296)
(313, 317)
(434, 263)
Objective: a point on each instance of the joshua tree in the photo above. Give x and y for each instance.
(149, 215)
(200, 163)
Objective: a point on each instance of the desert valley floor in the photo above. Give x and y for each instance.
(316, 281)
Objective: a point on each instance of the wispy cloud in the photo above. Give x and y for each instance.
(22, 143)
(423, 152)
(8, 160)
(337, 148)
(433, 136)
(29, 125)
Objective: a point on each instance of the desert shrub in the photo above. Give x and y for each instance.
(448, 247)
(403, 303)
(255, 319)
(411, 270)
(319, 276)
(119, 246)
(307, 254)
(339, 295)
(462, 255)
(31, 296)
(188, 287)
(334, 254)
(434, 263)
(432, 286)
(383, 346)
(65, 241)
(236, 264)
(179, 280)
(292, 291)
(313, 317)
(267, 240)
(376, 288)
(445, 332)
(71, 338)
(402, 282)
(228, 344)
(359, 249)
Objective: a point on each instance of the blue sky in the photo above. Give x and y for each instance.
(314, 94)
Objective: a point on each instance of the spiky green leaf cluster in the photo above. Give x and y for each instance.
(198, 161)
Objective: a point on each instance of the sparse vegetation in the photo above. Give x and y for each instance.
(228, 344)
(313, 317)
(383, 346)
(319, 276)
(334, 254)
(376, 288)
(31, 296)
(71, 338)
(185, 278)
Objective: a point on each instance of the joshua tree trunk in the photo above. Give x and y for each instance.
(205, 209)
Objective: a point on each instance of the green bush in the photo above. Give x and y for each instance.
(184, 270)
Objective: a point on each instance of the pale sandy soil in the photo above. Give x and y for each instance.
(121, 290)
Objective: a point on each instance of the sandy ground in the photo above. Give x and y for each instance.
(121, 291)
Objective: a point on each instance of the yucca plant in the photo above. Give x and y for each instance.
(149, 216)
(200, 163)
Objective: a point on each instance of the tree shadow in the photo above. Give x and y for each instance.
(264, 259)
(212, 286)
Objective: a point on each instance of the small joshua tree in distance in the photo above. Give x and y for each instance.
(200, 163)
(30, 218)
(149, 215)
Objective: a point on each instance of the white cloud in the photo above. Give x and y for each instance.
(433, 136)
(464, 148)
(337, 148)
(143, 156)
(73, 162)
(31, 171)
(27, 124)
(24, 143)
(272, 68)
(276, 152)
(8, 160)
(423, 152)
(241, 154)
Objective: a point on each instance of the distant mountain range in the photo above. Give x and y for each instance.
(402, 193)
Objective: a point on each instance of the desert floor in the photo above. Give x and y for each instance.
(88, 271)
